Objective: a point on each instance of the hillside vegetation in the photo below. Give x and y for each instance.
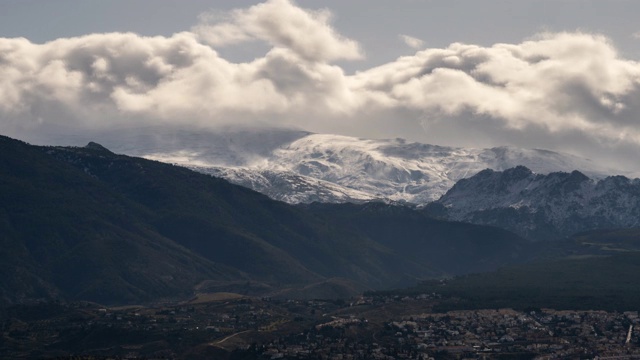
(600, 273)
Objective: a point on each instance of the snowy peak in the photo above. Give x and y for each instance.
(512, 188)
(540, 206)
(404, 171)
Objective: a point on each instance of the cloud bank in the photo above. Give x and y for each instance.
(561, 90)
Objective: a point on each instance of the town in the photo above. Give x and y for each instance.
(229, 326)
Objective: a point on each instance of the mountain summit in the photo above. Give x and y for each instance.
(542, 206)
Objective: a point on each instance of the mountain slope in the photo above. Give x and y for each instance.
(270, 241)
(66, 235)
(603, 277)
(455, 248)
(544, 206)
(287, 186)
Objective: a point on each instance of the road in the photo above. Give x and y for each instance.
(229, 337)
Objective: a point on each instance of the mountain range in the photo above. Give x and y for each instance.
(84, 223)
(303, 167)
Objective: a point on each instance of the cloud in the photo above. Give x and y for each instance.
(560, 82)
(283, 24)
(636, 35)
(103, 80)
(569, 91)
(411, 41)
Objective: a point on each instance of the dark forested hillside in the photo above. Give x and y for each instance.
(453, 247)
(66, 234)
(598, 270)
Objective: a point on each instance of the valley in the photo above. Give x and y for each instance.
(112, 254)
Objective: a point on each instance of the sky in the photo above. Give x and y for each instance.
(554, 74)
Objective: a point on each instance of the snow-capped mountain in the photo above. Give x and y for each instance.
(302, 167)
(544, 206)
(406, 171)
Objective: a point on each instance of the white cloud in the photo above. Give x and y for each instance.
(636, 35)
(561, 82)
(105, 78)
(562, 90)
(411, 41)
(280, 23)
